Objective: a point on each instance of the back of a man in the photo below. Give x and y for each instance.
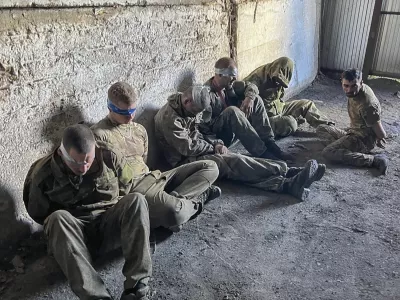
(80, 195)
(175, 196)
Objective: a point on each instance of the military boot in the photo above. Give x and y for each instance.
(381, 163)
(298, 186)
(211, 193)
(140, 292)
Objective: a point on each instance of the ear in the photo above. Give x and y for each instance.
(187, 100)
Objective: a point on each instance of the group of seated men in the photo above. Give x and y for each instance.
(95, 193)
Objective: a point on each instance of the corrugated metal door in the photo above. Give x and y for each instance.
(387, 52)
(345, 29)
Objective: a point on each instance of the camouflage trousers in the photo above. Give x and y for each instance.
(172, 195)
(261, 173)
(252, 132)
(284, 123)
(345, 148)
(126, 224)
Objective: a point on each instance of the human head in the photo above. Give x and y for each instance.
(225, 72)
(196, 99)
(121, 104)
(351, 82)
(77, 148)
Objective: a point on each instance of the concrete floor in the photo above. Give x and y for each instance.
(343, 243)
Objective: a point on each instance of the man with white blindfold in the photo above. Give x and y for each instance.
(176, 130)
(237, 112)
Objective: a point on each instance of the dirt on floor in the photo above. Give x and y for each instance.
(343, 243)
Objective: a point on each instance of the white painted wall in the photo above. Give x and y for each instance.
(269, 29)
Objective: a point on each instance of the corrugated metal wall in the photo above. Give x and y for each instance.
(387, 53)
(345, 30)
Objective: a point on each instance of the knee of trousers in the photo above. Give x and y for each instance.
(291, 123)
(212, 169)
(57, 221)
(133, 201)
(284, 125)
(235, 113)
(174, 212)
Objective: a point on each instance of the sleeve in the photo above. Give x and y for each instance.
(245, 89)
(185, 142)
(38, 205)
(145, 145)
(371, 115)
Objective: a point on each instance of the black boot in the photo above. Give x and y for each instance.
(381, 163)
(298, 186)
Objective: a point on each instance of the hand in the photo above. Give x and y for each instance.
(247, 106)
(220, 149)
(381, 143)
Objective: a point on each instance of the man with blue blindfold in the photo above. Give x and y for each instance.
(175, 196)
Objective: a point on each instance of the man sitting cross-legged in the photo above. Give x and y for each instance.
(176, 130)
(175, 196)
(353, 145)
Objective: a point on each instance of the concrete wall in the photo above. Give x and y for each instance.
(57, 65)
(57, 61)
(269, 29)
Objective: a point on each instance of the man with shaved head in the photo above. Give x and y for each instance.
(80, 194)
(353, 145)
(175, 196)
(271, 80)
(176, 131)
(237, 112)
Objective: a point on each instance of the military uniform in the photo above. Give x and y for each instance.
(88, 215)
(271, 80)
(176, 130)
(223, 121)
(351, 146)
(173, 195)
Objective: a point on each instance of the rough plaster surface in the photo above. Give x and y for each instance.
(269, 29)
(57, 64)
(56, 67)
(66, 3)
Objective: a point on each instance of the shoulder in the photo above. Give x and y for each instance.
(39, 172)
(102, 130)
(139, 129)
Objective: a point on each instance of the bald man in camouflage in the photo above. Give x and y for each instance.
(284, 116)
(175, 196)
(176, 131)
(353, 145)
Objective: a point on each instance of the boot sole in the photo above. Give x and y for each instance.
(319, 173)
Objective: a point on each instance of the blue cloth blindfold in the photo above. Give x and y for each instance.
(124, 112)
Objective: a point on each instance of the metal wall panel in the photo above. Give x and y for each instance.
(387, 53)
(345, 30)
(391, 5)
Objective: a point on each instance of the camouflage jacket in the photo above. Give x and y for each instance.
(176, 131)
(232, 97)
(131, 141)
(49, 186)
(364, 111)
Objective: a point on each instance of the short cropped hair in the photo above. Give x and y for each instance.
(200, 95)
(225, 62)
(351, 74)
(122, 92)
(78, 137)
